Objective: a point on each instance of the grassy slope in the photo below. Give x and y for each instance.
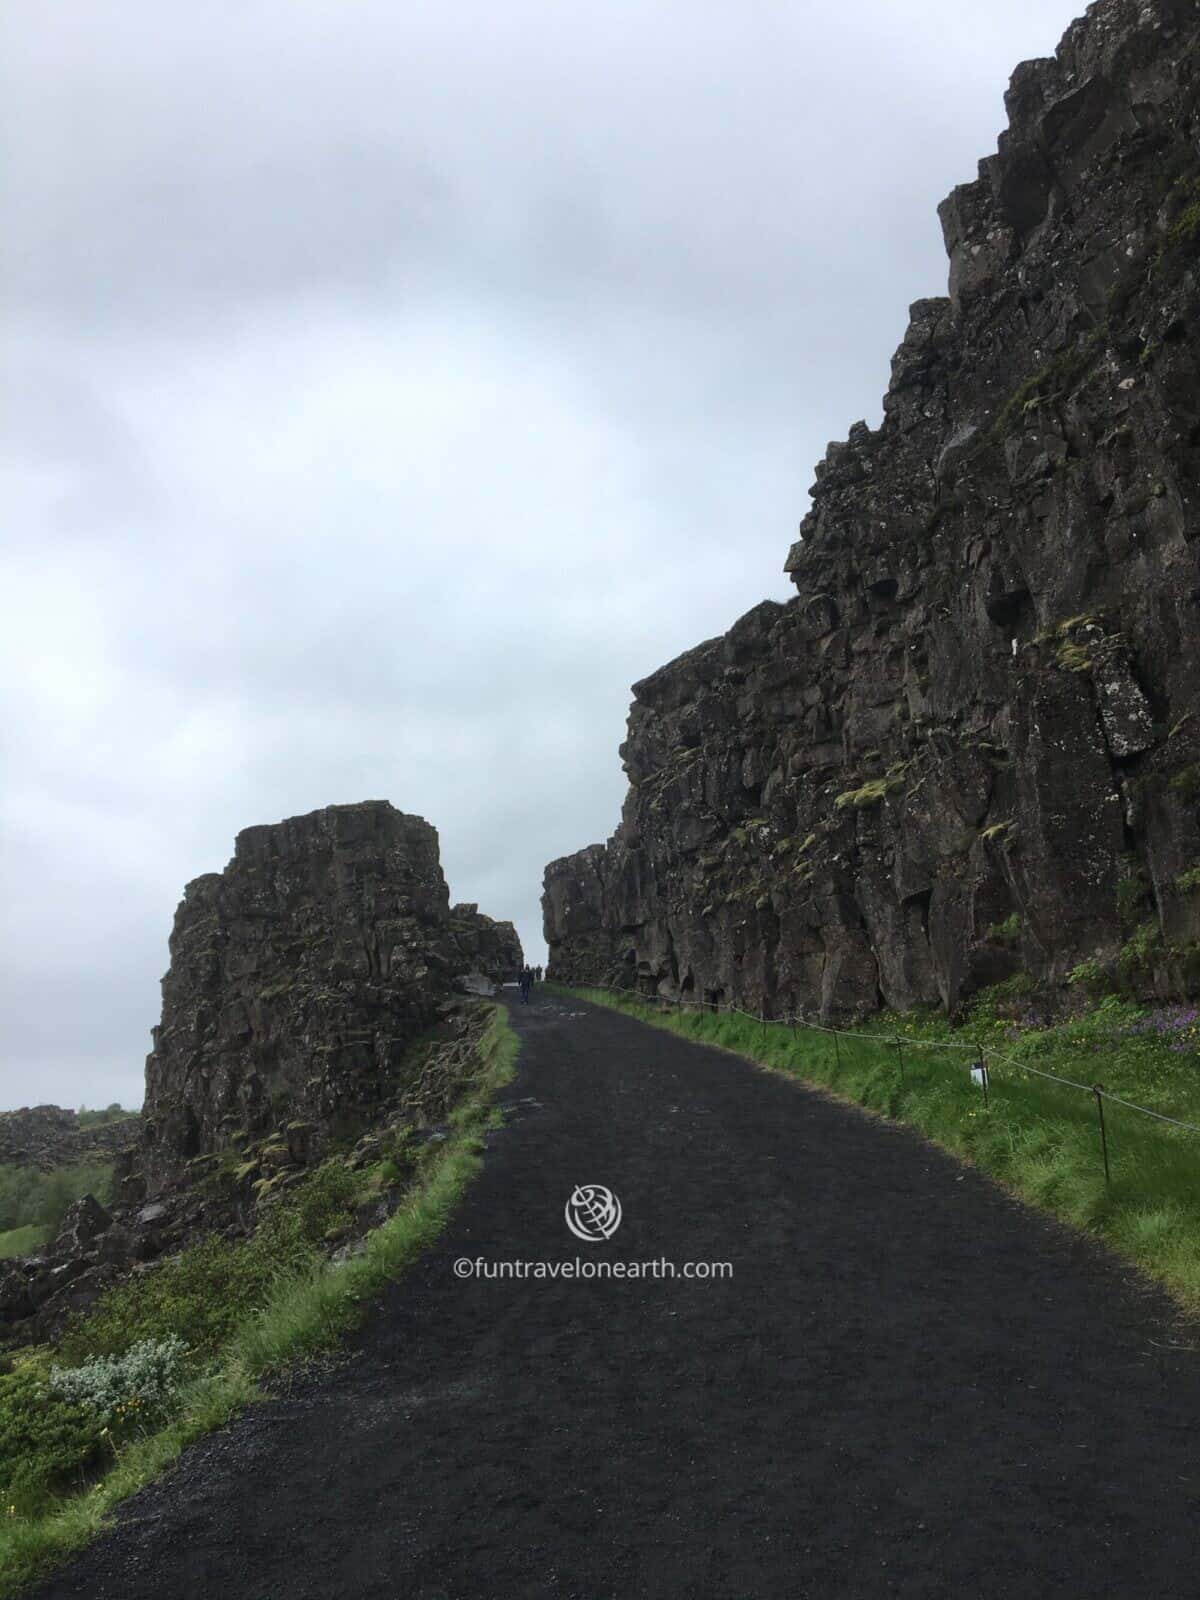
(307, 1312)
(23, 1241)
(1038, 1138)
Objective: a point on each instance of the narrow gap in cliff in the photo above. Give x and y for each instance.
(921, 901)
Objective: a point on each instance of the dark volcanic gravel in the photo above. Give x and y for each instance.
(911, 1386)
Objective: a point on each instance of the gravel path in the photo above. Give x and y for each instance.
(911, 1386)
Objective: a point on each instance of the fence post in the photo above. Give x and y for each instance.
(762, 1017)
(837, 1050)
(1098, 1091)
(900, 1058)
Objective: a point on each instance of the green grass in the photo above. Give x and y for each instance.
(23, 1241)
(301, 1313)
(29, 1198)
(1038, 1138)
(114, 1112)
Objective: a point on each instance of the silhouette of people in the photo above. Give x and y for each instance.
(537, 974)
(526, 984)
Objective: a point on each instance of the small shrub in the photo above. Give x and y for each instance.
(202, 1294)
(1189, 880)
(1186, 784)
(877, 789)
(199, 1296)
(1089, 973)
(1188, 226)
(47, 1443)
(1139, 948)
(1006, 932)
(127, 1391)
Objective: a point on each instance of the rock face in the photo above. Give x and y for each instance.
(230, 1194)
(480, 945)
(970, 747)
(298, 978)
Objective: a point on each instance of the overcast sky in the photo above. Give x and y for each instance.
(387, 387)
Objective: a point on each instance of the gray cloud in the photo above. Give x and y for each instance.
(389, 387)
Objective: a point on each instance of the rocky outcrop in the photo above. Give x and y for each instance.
(51, 1136)
(230, 1194)
(479, 945)
(970, 747)
(298, 978)
(307, 1006)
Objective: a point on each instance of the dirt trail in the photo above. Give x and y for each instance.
(911, 1386)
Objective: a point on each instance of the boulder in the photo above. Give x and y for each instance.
(85, 1219)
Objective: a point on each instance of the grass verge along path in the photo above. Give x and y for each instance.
(1040, 1139)
(307, 1311)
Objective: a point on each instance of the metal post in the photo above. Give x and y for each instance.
(900, 1058)
(762, 1017)
(837, 1050)
(1098, 1091)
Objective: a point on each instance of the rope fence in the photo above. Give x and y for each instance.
(981, 1062)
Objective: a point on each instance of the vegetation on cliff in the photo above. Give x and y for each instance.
(163, 1360)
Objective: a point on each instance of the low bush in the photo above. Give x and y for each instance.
(201, 1295)
(129, 1391)
(48, 1443)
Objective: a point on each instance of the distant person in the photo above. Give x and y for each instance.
(537, 974)
(526, 984)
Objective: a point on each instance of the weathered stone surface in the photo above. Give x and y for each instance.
(298, 977)
(971, 744)
(479, 945)
(86, 1218)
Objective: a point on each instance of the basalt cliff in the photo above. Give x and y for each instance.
(299, 977)
(968, 750)
(309, 1009)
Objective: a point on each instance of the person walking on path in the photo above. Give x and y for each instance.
(526, 984)
(537, 974)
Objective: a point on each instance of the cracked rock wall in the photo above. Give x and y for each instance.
(969, 749)
(298, 978)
